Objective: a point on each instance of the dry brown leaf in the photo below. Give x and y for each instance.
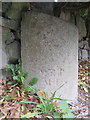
(40, 92)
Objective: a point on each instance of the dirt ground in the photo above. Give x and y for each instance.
(82, 108)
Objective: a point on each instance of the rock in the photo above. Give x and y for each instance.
(14, 12)
(13, 51)
(49, 48)
(89, 54)
(84, 45)
(0, 74)
(84, 54)
(5, 6)
(10, 24)
(65, 15)
(3, 56)
(44, 7)
(0, 8)
(3, 60)
(81, 27)
(7, 36)
(79, 54)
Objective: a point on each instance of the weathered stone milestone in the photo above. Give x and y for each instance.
(49, 49)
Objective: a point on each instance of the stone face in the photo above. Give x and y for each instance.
(84, 54)
(3, 60)
(44, 7)
(84, 45)
(13, 51)
(9, 48)
(15, 10)
(79, 54)
(49, 49)
(0, 8)
(7, 23)
(65, 15)
(5, 6)
(81, 27)
(3, 56)
(89, 54)
(7, 36)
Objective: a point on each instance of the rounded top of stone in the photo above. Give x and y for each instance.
(43, 17)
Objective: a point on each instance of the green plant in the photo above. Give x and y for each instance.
(17, 77)
(66, 110)
(48, 106)
(16, 74)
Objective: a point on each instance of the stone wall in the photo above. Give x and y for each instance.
(12, 14)
(83, 41)
(83, 45)
(10, 49)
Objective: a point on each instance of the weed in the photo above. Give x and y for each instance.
(17, 77)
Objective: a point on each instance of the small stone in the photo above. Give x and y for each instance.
(3, 60)
(11, 24)
(81, 26)
(81, 44)
(84, 54)
(13, 51)
(79, 54)
(7, 36)
(86, 45)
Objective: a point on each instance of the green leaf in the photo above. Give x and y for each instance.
(66, 110)
(15, 77)
(58, 99)
(27, 102)
(28, 88)
(34, 109)
(64, 106)
(7, 97)
(10, 83)
(7, 66)
(42, 101)
(53, 94)
(57, 115)
(1, 114)
(23, 80)
(68, 115)
(29, 115)
(33, 81)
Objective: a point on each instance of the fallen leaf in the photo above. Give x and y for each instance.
(40, 92)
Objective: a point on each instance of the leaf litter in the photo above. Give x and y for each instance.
(11, 95)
